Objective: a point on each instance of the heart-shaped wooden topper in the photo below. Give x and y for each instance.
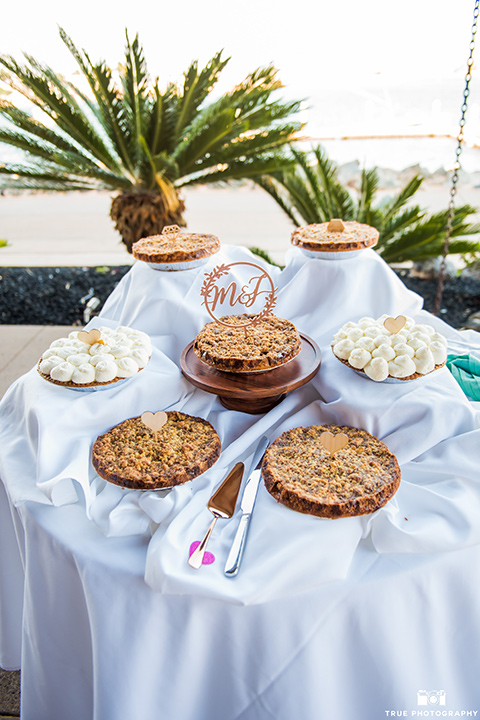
(154, 421)
(332, 443)
(394, 325)
(335, 225)
(90, 337)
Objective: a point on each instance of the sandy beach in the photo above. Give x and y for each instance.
(74, 229)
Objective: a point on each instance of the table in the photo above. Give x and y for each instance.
(356, 618)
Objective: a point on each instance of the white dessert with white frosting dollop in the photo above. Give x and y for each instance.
(403, 350)
(114, 354)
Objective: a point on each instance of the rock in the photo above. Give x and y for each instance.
(440, 176)
(349, 173)
(430, 269)
(472, 271)
(408, 173)
(388, 178)
(472, 322)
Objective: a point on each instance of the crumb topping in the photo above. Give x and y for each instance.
(267, 344)
(317, 236)
(299, 472)
(179, 248)
(132, 455)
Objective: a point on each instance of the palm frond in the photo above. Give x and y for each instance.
(134, 81)
(161, 134)
(196, 87)
(399, 222)
(391, 208)
(210, 130)
(110, 104)
(25, 122)
(36, 84)
(274, 190)
(250, 168)
(244, 146)
(368, 188)
(337, 201)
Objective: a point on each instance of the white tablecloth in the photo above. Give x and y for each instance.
(116, 624)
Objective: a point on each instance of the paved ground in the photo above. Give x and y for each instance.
(9, 694)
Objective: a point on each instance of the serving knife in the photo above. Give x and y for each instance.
(221, 505)
(247, 503)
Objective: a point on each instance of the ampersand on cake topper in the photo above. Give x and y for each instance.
(216, 293)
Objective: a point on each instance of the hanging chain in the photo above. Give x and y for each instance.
(456, 166)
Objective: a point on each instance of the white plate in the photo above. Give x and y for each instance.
(175, 266)
(396, 381)
(340, 255)
(94, 388)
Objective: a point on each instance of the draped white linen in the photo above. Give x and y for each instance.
(116, 559)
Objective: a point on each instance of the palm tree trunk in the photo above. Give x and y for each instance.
(140, 214)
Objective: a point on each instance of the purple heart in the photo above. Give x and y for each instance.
(208, 557)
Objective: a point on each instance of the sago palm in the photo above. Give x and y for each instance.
(123, 132)
(310, 192)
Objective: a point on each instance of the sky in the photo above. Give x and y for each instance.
(360, 66)
(314, 43)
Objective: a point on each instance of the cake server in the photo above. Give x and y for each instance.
(247, 503)
(221, 505)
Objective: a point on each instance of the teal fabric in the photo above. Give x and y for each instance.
(466, 371)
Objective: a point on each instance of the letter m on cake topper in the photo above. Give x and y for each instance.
(218, 292)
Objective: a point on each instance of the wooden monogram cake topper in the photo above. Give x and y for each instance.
(217, 293)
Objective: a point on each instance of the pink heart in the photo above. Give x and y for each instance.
(208, 558)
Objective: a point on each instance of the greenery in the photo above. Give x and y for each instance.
(3, 243)
(124, 133)
(310, 192)
(265, 256)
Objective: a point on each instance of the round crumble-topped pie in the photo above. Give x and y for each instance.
(367, 346)
(335, 236)
(173, 247)
(267, 344)
(358, 479)
(134, 456)
(85, 361)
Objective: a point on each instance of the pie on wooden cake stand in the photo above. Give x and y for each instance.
(253, 392)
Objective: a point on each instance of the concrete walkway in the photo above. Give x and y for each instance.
(21, 346)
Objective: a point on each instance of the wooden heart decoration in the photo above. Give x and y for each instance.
(335, 225)
(90, 337)
(154, 421)
(394, 325)
(332, 443)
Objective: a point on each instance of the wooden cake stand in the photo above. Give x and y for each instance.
(256, 392)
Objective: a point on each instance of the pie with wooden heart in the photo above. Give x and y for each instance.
(335, 236)
(390, 349)
(134, 455)
(95, 359)
(172, 247)
(307, 471)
